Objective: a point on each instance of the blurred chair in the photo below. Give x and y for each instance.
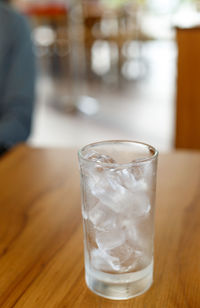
(50, 20)
(48, 13)
(92, 13)
(111, 25)
(188, 89)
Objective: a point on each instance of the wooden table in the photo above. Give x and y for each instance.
(41, 250)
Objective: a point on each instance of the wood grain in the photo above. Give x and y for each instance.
(41, 250)
(188, 90)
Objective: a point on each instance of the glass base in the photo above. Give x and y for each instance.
(120, 286)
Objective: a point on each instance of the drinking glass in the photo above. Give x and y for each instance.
(118, 181)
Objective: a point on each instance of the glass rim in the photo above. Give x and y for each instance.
(124, 165)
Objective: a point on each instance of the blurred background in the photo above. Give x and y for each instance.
(109, 69)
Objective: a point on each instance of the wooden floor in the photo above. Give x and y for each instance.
(142, 110)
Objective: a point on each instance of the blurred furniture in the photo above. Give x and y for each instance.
(116, 26)
(188, 89)
(50, 34)
(92, 13)
(41, 250)
(49, 13)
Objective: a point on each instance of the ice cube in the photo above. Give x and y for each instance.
(120, 259)
(149, 170)
(123, 252)
(96, 215)
(116, 253)
(138, 185)
(109, 240)
(92, 155)
(140, 205)
(132, 232)
(145, 171)
(130, 229)
(127, 258)
(96, 169)
(102, 217)
(128, 180)
(101, 261)
(88, 202)
(99, 158)
(108, 190)
(134, 262)
(139, 236)
(118, 190)
(119, 199)
(106, 159)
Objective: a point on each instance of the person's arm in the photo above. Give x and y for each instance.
(17, 104)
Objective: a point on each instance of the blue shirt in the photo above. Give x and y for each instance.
(17, 77)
